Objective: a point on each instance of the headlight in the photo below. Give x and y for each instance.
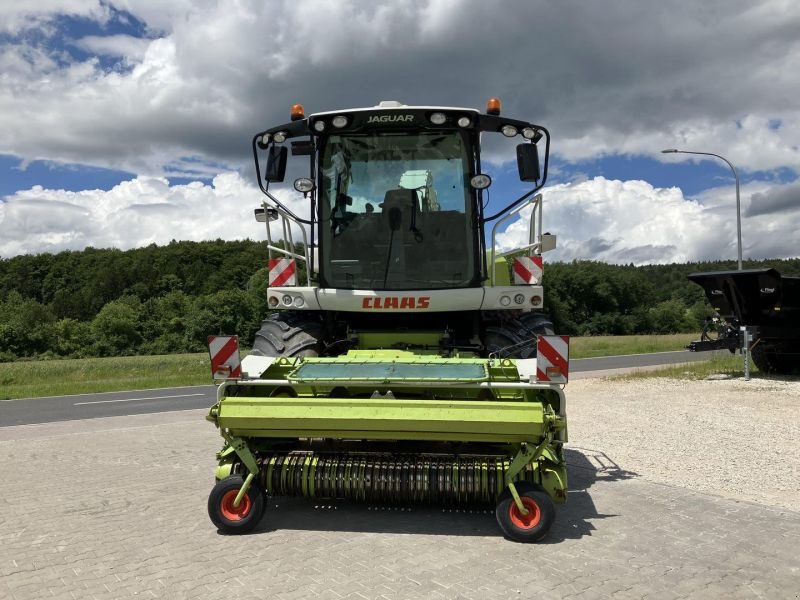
(505, 300)
(529, 133)
(519, 298)
(438, 118)
(339, 121)
(273, 301)
(287, 299)
(480, 181)
(536, 300)
(509, 130)
(299, 302)
(303, 184)
(280, 137)
(464, 122)
(319, 126)
(264, 140)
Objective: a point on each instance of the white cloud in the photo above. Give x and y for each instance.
(127, 46)
(16, 17)
(633, 222)
(605, 78)
(598, 219)
(134, 213)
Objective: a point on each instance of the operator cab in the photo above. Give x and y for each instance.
(396, 192)
(395, 212)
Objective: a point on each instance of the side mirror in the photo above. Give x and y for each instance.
(528, 162)
(276, 163)
(263, 215)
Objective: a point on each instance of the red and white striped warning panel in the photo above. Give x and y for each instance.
(225, 361)
(528, 270)
(552, 358)
(282, 271)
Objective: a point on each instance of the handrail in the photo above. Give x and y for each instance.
(287, 218)
(532, 229)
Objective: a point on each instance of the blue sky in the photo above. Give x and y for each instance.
(144, 110)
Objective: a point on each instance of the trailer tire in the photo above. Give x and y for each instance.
(525, 528)
(770, 361)
(230, 519)
(289, 333)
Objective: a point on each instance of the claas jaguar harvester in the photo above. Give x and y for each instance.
(406, 360)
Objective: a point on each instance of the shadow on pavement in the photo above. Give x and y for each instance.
(573, 519)
(308, 515)
(585, 467)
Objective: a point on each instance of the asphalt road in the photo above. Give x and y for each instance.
(113, 404)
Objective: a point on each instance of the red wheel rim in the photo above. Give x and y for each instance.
(528, 521)
(229, 511)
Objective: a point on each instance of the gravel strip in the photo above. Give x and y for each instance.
(735, 438)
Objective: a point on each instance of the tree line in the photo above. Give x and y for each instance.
(166, 299)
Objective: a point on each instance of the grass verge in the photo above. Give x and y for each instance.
(612, 345)
(28, 379)
(730, 365)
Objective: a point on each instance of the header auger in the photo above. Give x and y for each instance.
(408, 367)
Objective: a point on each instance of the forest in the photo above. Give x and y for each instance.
(168, 299)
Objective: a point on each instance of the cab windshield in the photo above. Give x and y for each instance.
(396, 212)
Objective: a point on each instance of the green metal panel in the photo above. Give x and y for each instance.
(383, 418)
(502, 272)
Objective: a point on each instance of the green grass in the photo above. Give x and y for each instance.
(27, 379)
(611, 345)
(725, 363)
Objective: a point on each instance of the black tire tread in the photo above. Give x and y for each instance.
(772, 362)
(515, 337)
(289, 333)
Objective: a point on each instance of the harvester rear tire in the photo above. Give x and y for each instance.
(525, 528)
(289, 333)
(230, 519)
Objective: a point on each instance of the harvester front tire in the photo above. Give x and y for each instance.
(511, 337)
(537, 323)
(289, 333)
(525, 528)
(228, 518)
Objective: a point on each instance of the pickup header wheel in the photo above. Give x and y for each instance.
(235, 519)
(530, 527)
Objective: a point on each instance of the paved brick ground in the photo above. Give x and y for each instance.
(115, 508)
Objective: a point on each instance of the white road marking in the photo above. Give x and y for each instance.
(135, 399)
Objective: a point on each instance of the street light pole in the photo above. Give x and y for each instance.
(738, 203)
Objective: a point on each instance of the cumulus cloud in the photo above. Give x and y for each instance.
(781, 199)
(138, 212)
(598, 219)
(606, 78)
(633, 222)
(126, 46)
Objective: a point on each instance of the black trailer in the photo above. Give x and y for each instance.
(765, 302)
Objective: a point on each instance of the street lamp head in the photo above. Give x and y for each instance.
(669, 150)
